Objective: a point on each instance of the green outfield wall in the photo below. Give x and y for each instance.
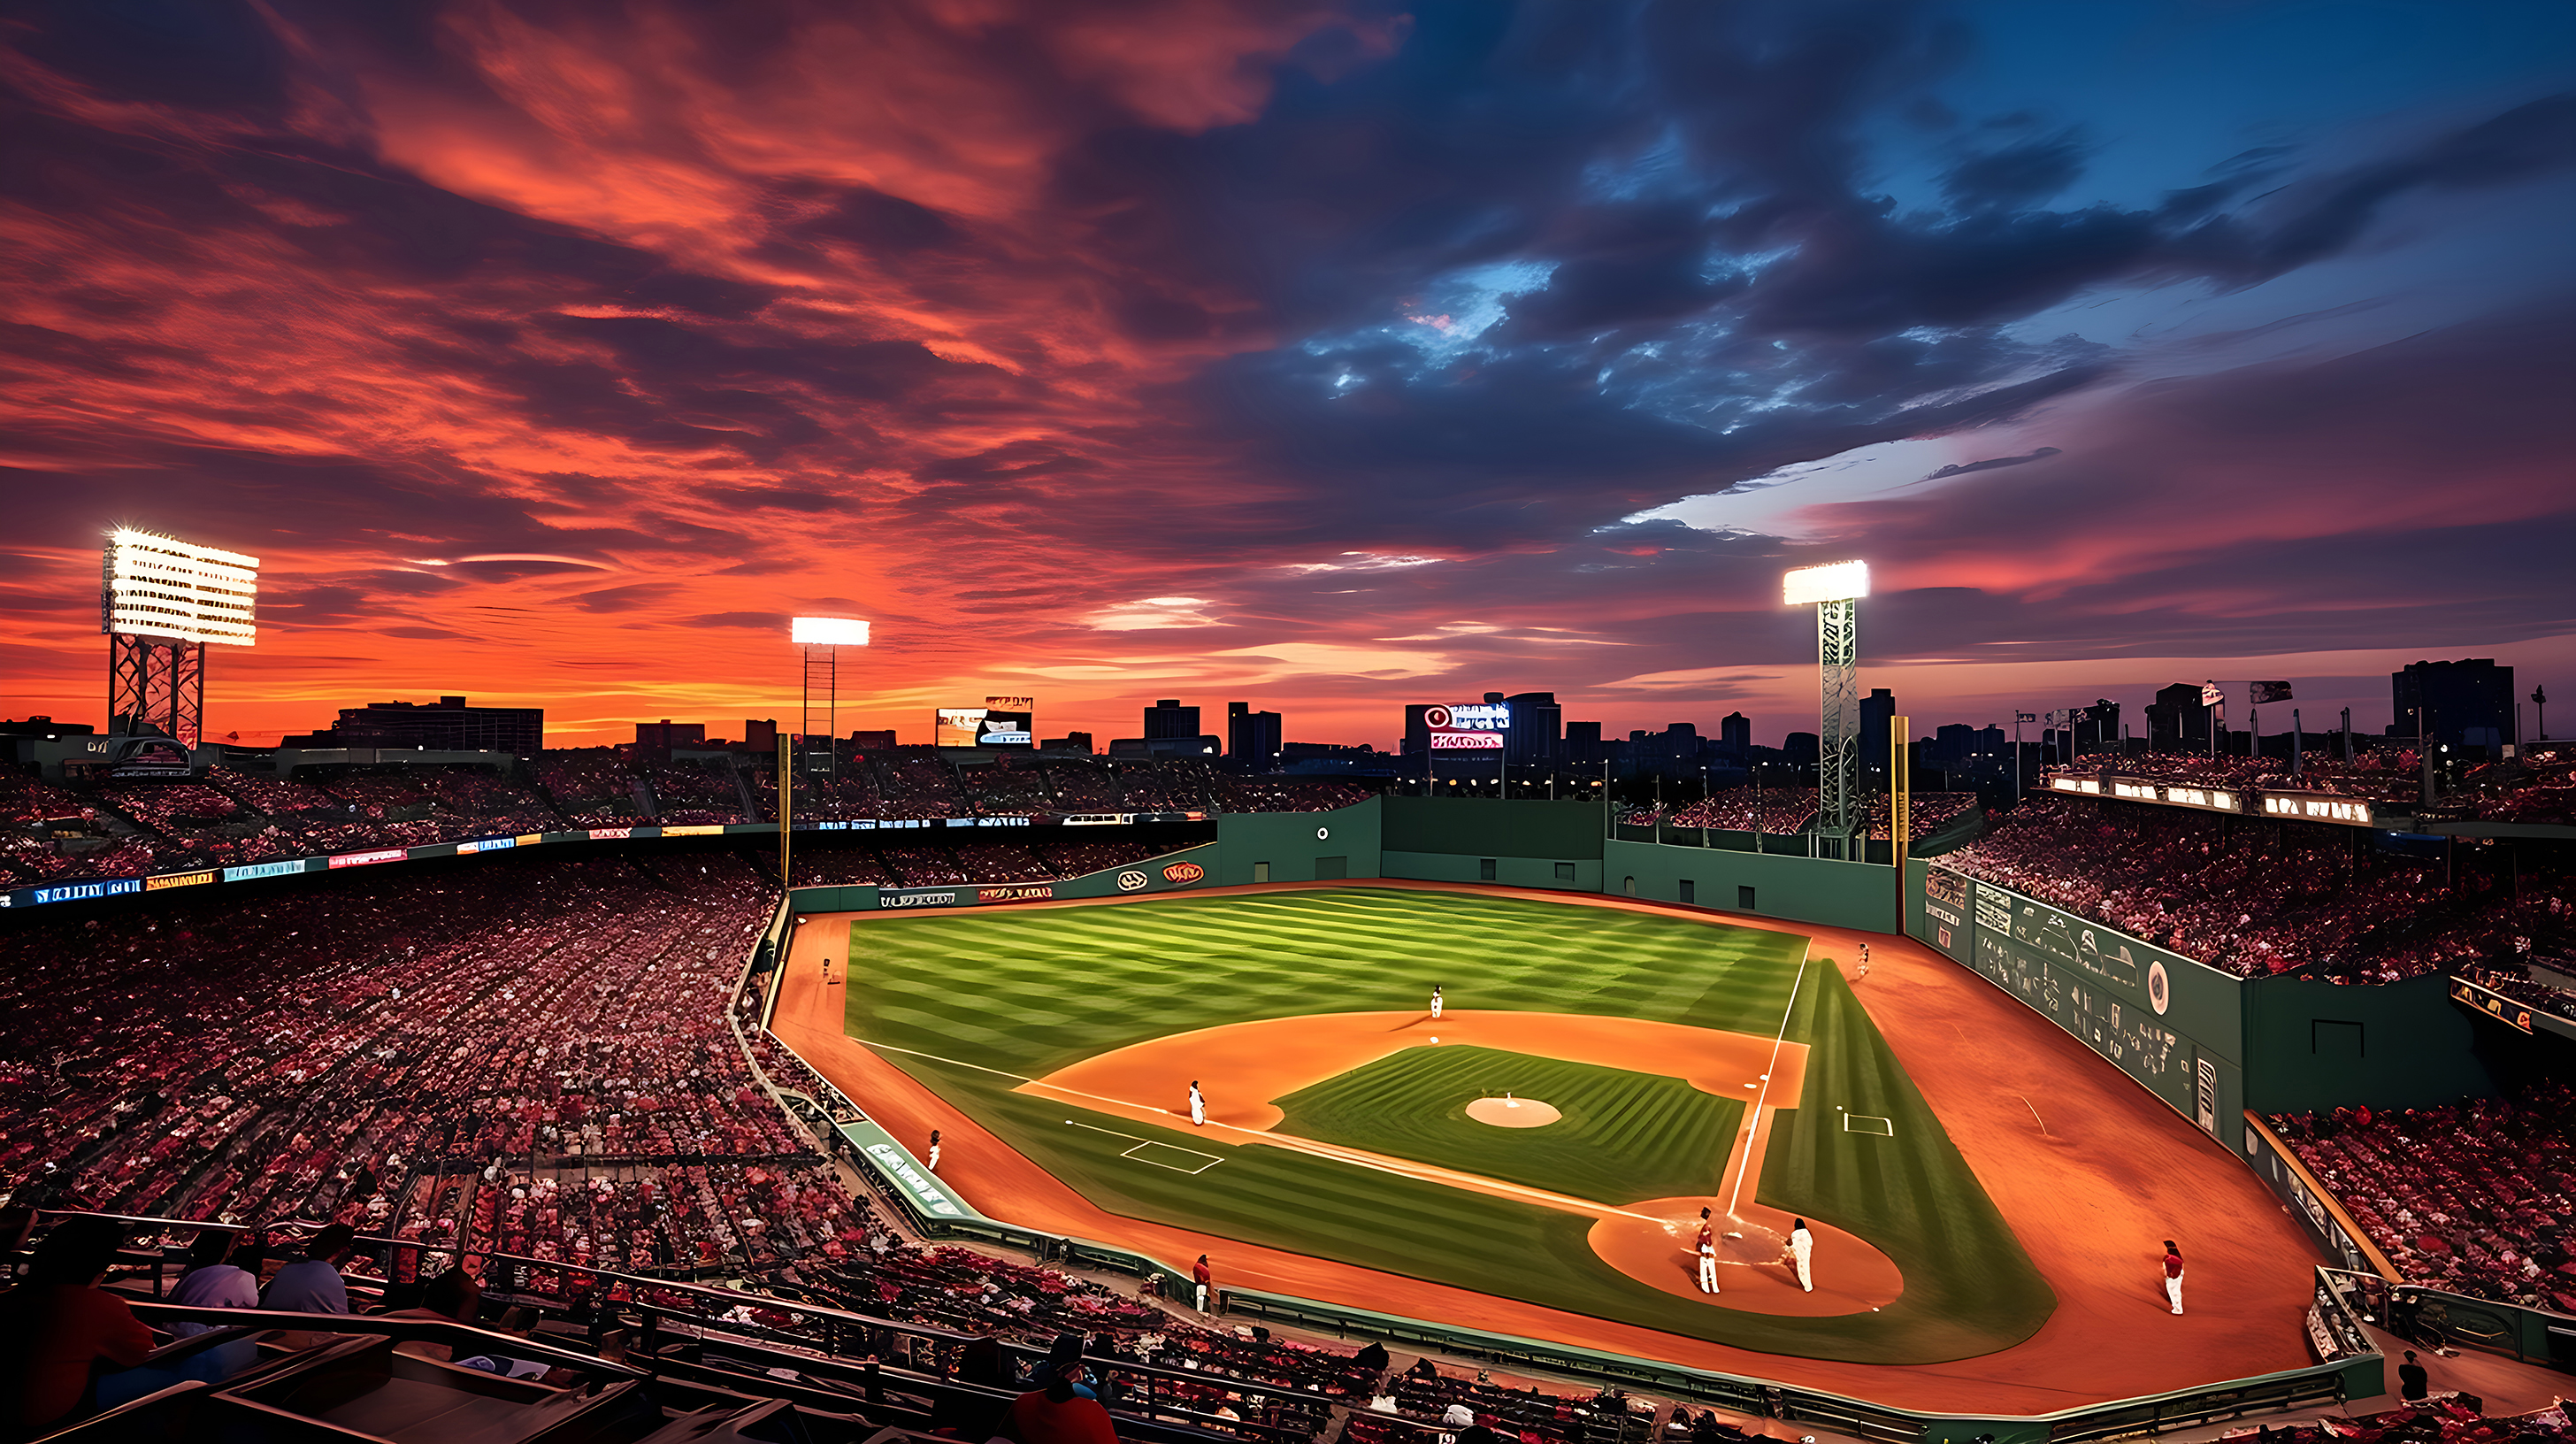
(1793, 889)
(1481, 839)
(2316, 1046)
(1299, 846)
(2207, 1042)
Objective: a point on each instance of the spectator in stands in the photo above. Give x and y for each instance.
(454, 1297)
(1059, 1412)
(219, 1276)
(58, 1325)
(312, 1284)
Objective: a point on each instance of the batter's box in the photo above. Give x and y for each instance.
(1863, 1123)
(1163, 1155)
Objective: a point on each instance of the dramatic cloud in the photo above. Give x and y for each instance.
(556, 354)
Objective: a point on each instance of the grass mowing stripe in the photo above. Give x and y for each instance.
(1623, 1136)
(1028, 992)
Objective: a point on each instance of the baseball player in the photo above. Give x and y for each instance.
(934, 1150)
(1435, 1002)
(1707, 1250)
(1802, 1248)
(2173, 1275)
(1198, 1105)
(1202, 1280)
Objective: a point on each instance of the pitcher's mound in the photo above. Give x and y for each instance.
(1513, 1112)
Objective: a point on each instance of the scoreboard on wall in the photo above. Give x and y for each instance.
(2170, 1023)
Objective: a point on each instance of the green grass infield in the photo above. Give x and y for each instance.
(1025, 993)
(1623, 1137)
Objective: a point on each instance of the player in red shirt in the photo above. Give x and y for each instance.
(2173, 1275)
(1204, 1279)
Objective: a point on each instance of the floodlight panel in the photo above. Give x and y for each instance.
(828, 631)
(1832, 582)
(152, 585)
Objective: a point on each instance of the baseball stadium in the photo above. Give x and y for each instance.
(1458, 1079)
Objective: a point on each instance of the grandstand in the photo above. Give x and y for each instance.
(553, 1067)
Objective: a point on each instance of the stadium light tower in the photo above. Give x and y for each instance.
(823, 638)
(1835, 589)
(161, 602)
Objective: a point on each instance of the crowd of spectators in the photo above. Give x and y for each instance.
(590, 786)
(1787, 811)
(2539, 786)
(463, 1058)
(229, 816)
(2476, 1198)
(2256, 898)
(694, 793)
(2550, 989)
(928, 864)
(2389, 776)
(539, 1062)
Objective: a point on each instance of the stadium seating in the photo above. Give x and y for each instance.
(533, 1071)
(376, 1055)
(2477, 1198)
(230, 816)
(2255, 900)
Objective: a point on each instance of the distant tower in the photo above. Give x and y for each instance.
(161, 601)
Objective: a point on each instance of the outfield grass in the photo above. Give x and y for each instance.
(1624, 1136)
(1029, 992)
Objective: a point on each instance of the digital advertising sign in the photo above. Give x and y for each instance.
(1000, 722)
(1468, 726)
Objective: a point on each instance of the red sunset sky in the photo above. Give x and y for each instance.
(1323, 356)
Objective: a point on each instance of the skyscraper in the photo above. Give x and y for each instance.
(1251, 736)
(1168, 718)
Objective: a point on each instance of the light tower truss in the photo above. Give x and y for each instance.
(1838, 795)
(161, 602)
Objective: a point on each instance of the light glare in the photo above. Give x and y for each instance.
(1832, 582)
(828, 631)
(151, 585)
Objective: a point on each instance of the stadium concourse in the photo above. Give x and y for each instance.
(2091, 1186)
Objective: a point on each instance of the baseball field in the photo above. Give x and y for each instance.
(1667, 1063)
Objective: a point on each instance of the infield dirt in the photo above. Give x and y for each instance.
(2090, 1187)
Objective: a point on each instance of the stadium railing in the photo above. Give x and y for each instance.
(673, 1320)
(2339, 1376)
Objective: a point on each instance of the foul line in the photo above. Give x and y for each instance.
(952, 1062)
(1759, 1098)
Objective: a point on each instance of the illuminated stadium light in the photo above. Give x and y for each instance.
(1832, 582)
(822, 638)
(158, 586)
(827, 632)
(161, 602)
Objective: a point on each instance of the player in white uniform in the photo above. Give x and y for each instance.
(934, 1150)
(1198, 1104)
(1707, 1249)
(1435, 1002)
(1802, 1249)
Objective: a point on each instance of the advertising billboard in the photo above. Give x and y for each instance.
(1467, 726)
(1000, 722)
